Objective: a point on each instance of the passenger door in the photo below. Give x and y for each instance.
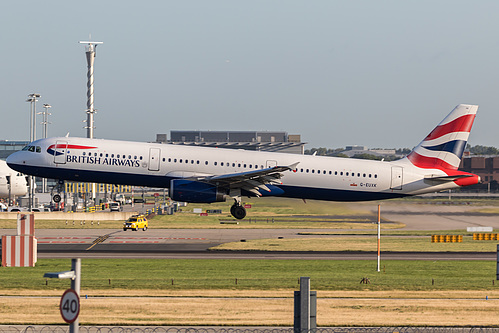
(397, 178)
(60, 151)
(154, 158)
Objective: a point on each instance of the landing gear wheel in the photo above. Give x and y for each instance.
(56, 198)
(239, 212)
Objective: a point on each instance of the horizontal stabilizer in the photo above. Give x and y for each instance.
(450, 178)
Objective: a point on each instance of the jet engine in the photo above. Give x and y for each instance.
(196, 192)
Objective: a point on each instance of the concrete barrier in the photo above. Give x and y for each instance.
(75, 216)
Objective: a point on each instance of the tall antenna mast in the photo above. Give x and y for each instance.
(90, 51)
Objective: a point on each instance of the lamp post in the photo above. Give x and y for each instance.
(45, 115)
(90, 53)
(32, 99)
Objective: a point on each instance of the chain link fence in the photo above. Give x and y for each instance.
(124, 329)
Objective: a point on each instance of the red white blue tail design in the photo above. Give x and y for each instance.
(443, 148)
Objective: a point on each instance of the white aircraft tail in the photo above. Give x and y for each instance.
(443, 148)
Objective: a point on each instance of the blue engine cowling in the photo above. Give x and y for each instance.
(193, 191)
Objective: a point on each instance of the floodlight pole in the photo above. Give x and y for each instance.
(90, 52)
(379, 236)
(32, 99)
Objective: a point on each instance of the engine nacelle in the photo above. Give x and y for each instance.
(193, 191)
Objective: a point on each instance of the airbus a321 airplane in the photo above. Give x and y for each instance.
(205, 175)
(12, 183)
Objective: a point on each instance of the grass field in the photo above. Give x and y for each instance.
(205, 292)
(157, 274)
(360, 243)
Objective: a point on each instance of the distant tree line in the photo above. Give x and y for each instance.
(338, 152)
(482, 150)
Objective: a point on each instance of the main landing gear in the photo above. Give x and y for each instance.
(237, 210)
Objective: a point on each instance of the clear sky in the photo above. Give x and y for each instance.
(374, 73)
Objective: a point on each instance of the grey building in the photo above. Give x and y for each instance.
(249, 140)
(9, 147)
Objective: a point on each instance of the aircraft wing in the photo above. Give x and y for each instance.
(251, 181)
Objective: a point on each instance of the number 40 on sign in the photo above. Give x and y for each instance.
(70, 306)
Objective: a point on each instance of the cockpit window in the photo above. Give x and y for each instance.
(25, 148)
(31, 148)
(38, 149)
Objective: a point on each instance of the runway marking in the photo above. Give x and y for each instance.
(98, 240)
(167, 238)
(64, 237)
(62, 242)
(136, 242)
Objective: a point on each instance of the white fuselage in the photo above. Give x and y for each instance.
(12, 183)
(153, 164)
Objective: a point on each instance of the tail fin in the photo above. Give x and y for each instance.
(444, 146)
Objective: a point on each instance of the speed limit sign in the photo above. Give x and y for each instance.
(70, 306)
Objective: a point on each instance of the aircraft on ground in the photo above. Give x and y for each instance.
(205, 175)
(12, 183)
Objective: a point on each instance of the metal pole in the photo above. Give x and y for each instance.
(75, 285)
(304, 304)
(379, 236)
(91, 47)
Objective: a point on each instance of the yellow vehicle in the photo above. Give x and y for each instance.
(135, 223)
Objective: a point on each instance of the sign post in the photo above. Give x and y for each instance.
(70, 301)
(379, 236)
(70, 306)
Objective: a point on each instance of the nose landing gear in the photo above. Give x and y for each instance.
(237, 210)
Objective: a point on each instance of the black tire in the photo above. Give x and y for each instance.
(232, 209)
(56, 198)
(136, 229)
(124, 229)
(239, 212)
(145, 228)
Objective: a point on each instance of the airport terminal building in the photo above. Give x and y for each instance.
(281, 142)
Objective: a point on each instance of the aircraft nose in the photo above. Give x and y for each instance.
(17, 160)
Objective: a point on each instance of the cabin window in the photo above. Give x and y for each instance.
(221, 163)
(206, 162)
(186, 161)
(313, 171)
(364, 175)
(197, 162)
(375, 176)
(140, 158)
(192, 161)
(164, 159)
(175, 160)
(32, 148)
(341, 173)
(239, 165)
(307, 170)
(169, 159)
(215, 163)
(347, 173)
(233, 165)
(369, 175)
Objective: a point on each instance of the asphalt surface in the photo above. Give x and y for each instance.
(195, 243)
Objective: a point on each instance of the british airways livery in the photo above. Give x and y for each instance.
(205, 175)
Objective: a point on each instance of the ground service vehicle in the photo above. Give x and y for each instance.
(135, 223)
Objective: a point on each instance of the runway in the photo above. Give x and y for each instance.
(94, 242)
